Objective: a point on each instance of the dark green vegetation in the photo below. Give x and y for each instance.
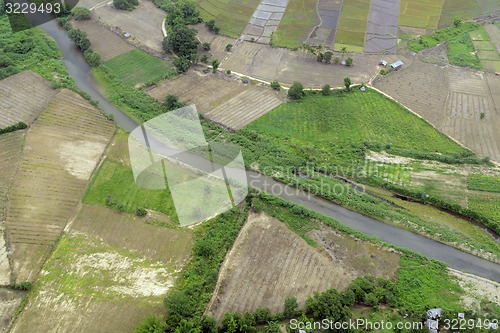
(138, 67)
(441, 35)
(461, 52)
(484, 183)
(125, 4)
(81, 13)
(19, 126)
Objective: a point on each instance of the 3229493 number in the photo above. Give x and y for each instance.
(32, 8)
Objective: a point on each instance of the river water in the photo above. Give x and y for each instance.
(81, 73)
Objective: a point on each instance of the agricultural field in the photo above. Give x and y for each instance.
(137, 68)
(104, 41)
(324, 32)
(486, 203)
(352, 25)
(11, 146)
(220, 98)
(459, 102)
(297, 23)
(487, 43)
(269, 262)
(50, 182)
(382, 28)
(10, 300)
(264, 21)
(484, 183)
(420, 13)
(22, 97)
(144, 23)
(465, 8)
(232, 16)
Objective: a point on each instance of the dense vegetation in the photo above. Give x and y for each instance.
(19, 126)
(442, 35)
(484, 183)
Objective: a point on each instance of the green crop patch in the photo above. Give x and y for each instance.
(420, 13)
(231, 16)
(484, 183)
(297, 22)
(353, 20)
(137, 67)
(486, 204)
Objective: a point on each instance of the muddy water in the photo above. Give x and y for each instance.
(80, 71)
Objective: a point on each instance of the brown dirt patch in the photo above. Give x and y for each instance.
(52, 176)
(22, 97)
(143, 23)
(104, 41)
(9, 302)
(269, 263)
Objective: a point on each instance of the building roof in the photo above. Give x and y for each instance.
(397, 63)
(434, 313)
(383, 62)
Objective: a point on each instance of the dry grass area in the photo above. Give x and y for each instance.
(59, 155)
(104, 41)
(109, 271)
(221, 98)
(22, 97)
(9, 302)
(476, 289)
(269, 263)
(461, 103)
(143, 23)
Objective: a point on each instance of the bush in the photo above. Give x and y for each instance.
(385, 71)
(206, 46)
(336, 60)
(328, 56)
(228, 72)
(204, 59)
(296, 91)
(19, 126)
(80, 39)
(172, 102)
(22, 286)
(348, 61)
(93, 58)
(125, 4)
(141, 211)
(182, 64)
(229, 47)
(212, 27)
(215, 65)
(81, 13)
(347, 83)
(275, 85)
(151, 324)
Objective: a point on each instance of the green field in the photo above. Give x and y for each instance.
(298, 21)
(136, 67)
(484, 183)
(351, 27)
(465, 8)
(231, 16)
(350, 119)
(420, 13)
(461, 52)
(486, 50)
(486, 204)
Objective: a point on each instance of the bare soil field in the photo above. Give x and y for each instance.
(50, 182)
(104, 41)
(265, 21)
(11, 145)
(22, 97)
(459, 102)
(9, 302)
(269, 263)
(382, 29)
(109, 271)
(477, 289)
(221, 98)
(143, 23)
(324, 32)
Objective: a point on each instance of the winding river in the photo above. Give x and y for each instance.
(81, 73)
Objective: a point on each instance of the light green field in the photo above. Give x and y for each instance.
(486, 50)
(467, 9)
(351, 27)
(484, 183)
(231, 16)
(420, 13)
(486, 204)
(298, 21)
(138, 67)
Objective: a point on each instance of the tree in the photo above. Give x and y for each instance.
(206, 46)
(172, 102)
(151, 324)
(291, 307)
(326, 89)
(348, 61)
(80, 39)
(262, 316)
(215, 65)
(457, 21)
(347, 83)
(81, 13)
(296, 91)
(275, 85)
(204, 59)
(319, 57)
(93, 58)
(343, 51)
(336, 61)
(181, 40)
(328, 56)
(272, 327)
(182, 64)
(208, 324)
(125, 4)
(229, 47)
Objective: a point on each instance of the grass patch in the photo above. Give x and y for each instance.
(137, 67)
(353, 20)
(420, 13)
(297, 22)
(232, 16)
(461, 52)
(424, 285)
(487, 205)
(441, 35)
(484, 183)
(350, 48)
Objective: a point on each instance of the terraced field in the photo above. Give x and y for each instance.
(269, 263)
(324, 33)
(104, 41)
(22, 97)
(50, 182)
(420, 13)
(220, 98)
(297, 23)
(352, 25)
(11, 145)
(9, 302)
(466, 8)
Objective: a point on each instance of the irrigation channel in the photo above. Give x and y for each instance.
(81, 73)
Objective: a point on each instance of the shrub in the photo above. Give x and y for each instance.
(141, 212)
(182, 64)
(482, 115)
(328, 56)
(348, 61)
(172, 102)
(228, 72)
(385, 71)
(22, 286)
(326, 90)
(19, 126)
(296, 91)
(204, 59)
(212, 27)
(206, 46)
(81, 13)
(229, 47)
(347, 83)
(215, 65)
(125, 4)
(80, 39)
(336, 60)
(151, 324)
(275, 85)
(93, 58)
